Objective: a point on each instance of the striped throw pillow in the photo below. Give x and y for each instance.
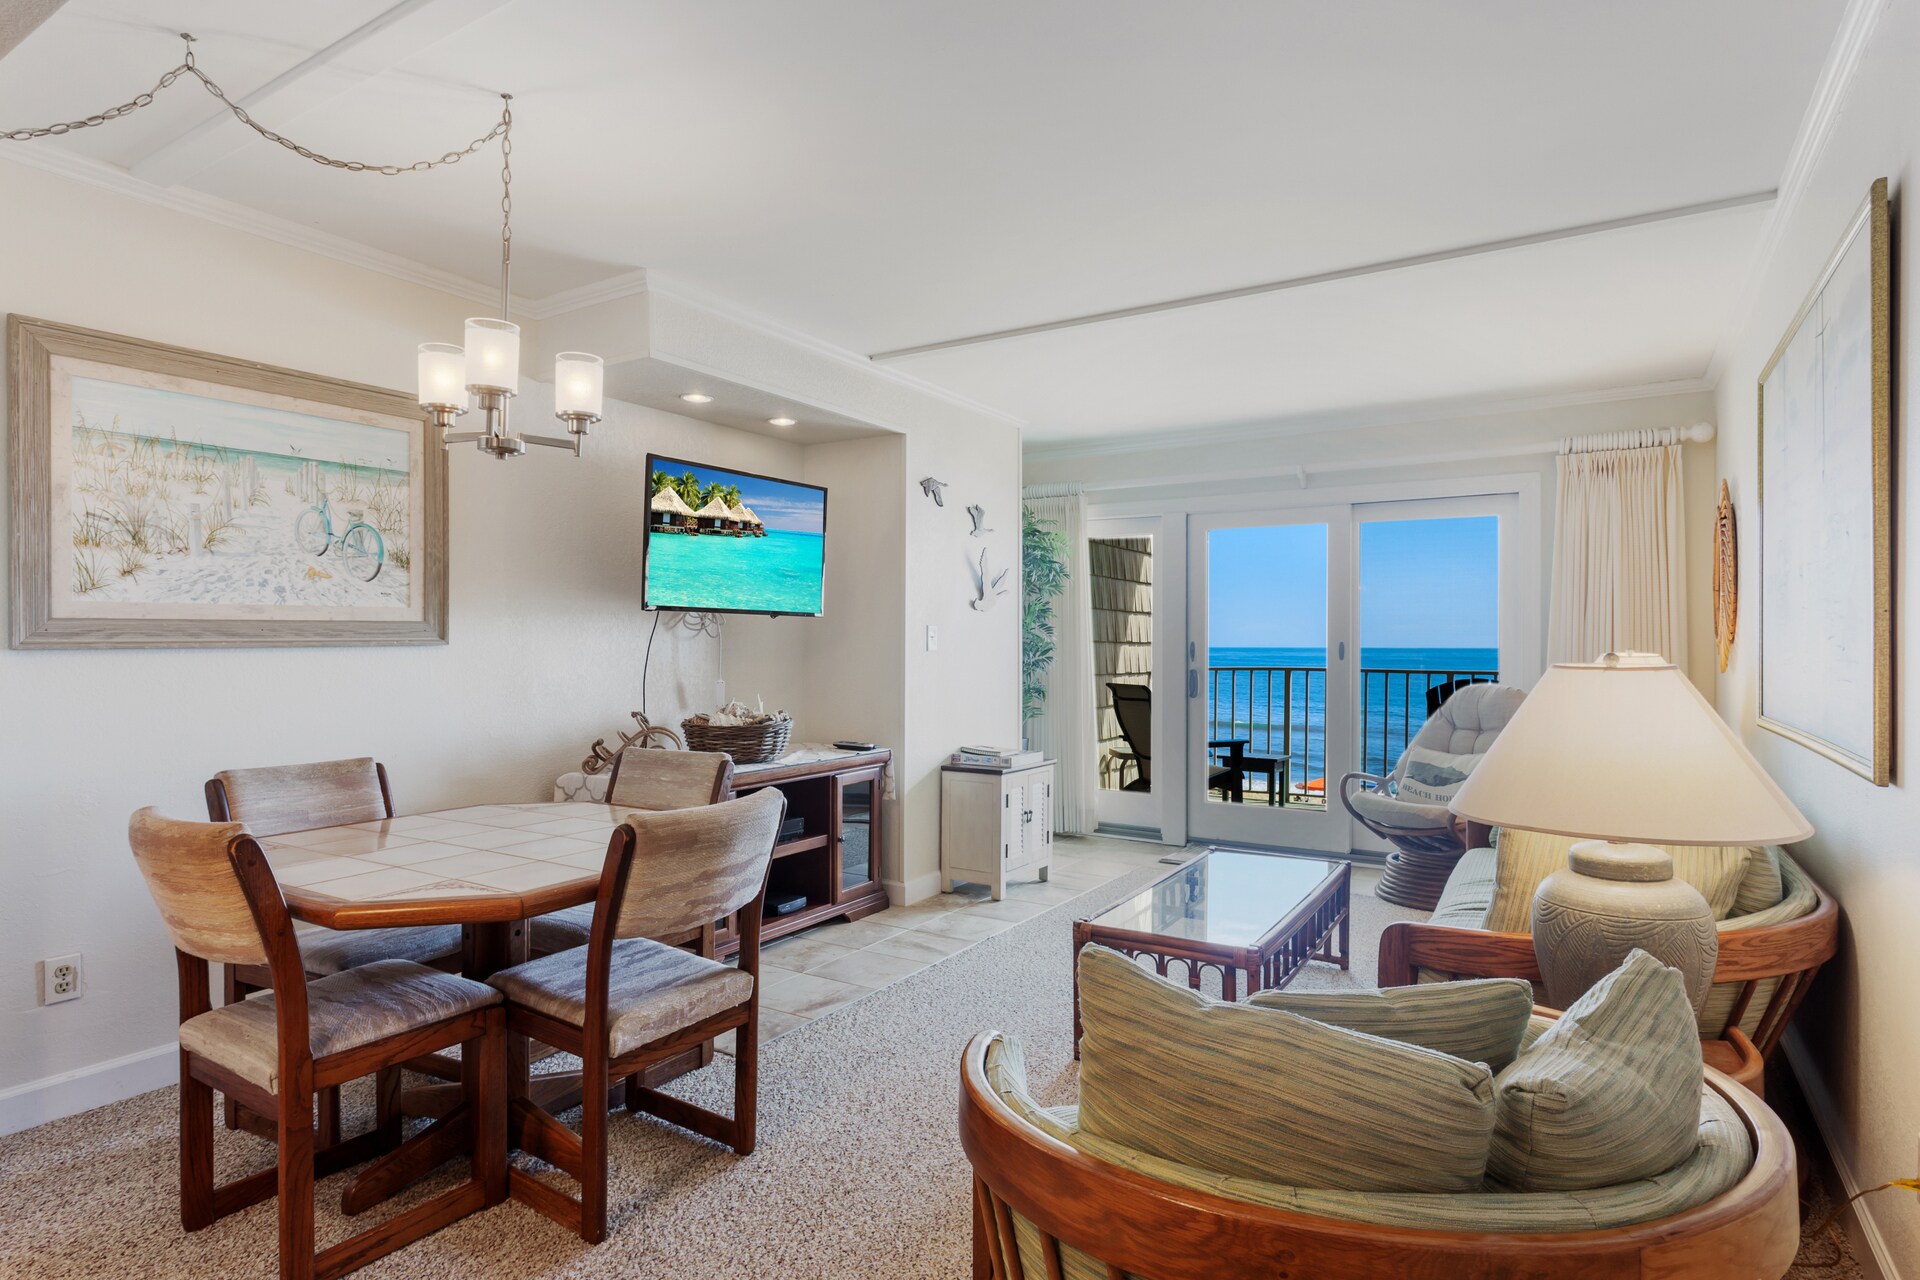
(1610, 1093)
(1528, 857)
(1762, 886)
(1261, 1093)
(1480, 1020)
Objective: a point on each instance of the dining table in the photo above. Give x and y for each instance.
(490, 868)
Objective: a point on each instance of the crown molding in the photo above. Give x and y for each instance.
(611, 289)
(1850, 43)
(767, 326)
(1409, 414)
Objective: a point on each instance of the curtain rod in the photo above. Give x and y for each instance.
(1648, 438)
(1300, 473)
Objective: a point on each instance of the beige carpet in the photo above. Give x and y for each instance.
(858, 1172)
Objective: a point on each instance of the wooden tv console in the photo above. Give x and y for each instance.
(836, 859)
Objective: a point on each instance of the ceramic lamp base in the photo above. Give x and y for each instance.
(1610, 899)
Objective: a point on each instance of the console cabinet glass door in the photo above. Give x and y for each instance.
(858, 831)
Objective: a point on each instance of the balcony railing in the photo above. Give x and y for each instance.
(1281, 713)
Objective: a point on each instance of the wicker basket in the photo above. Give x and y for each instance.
(746, 743)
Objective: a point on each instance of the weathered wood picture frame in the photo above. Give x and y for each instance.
(170, 498)
(1826, 509)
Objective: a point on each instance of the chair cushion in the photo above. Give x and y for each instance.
(1528, 857)
(1480, 1020)
(653, 990)
(1392, 811)
(1262, 1093)
(1468, 894)
(1431, 777)
(327, 951)
(1609, 1093)
(344, 1011)
(563, 930)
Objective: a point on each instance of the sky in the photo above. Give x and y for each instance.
(796, 508)
(148, 411)
(1423, 584)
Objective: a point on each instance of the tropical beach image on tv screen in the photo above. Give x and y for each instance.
(725, 540)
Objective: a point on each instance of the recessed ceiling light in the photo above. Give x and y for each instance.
(779, 422)
(694, 397)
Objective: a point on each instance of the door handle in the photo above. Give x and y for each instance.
(1193, 683)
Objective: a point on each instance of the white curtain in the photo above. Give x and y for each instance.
(1065, 727)
(1619, 556)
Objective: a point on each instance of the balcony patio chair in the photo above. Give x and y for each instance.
(1427, 840)
(1133, 708)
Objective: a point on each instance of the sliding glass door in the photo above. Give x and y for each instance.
(1269, 685)
(1321, 639)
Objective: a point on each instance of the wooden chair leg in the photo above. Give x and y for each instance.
(388, 1116)
(593, 1153)
(196, 1151)
(296, 1184)
(483, 1072)
(746, 1080)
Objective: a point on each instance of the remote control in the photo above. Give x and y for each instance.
(847, 744)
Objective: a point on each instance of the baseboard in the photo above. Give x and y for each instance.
(36, 1102)
(904, 893)
(1870, 1248)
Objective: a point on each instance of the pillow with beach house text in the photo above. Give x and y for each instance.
(1431, 777)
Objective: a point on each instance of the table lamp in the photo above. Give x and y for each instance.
(1624, 753)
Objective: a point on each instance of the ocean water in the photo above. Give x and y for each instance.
(780, 573)
(1254, 703)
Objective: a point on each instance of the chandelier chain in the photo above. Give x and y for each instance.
(187, 68)
(506, 200)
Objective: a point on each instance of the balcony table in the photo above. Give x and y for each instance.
(488, 868)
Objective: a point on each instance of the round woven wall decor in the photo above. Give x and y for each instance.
(1726, 576)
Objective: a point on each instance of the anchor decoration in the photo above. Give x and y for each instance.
(990, 589)
(646, 734)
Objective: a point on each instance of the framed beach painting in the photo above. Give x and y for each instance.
(1826, 509)
(164, 497)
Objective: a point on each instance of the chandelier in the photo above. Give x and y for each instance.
(487, 369)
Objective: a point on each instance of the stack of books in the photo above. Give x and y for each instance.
(993, 759)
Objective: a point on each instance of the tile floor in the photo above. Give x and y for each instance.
(816, 972)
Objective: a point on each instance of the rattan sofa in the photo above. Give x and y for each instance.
(1767, 960)
(1043, 1208)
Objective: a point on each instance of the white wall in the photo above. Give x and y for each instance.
(546, 629)
(1256, 465)
(1859, 1028)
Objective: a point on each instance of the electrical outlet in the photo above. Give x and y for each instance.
(60, 979)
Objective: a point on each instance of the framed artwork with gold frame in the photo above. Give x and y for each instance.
(164, 497)
(1825, 551)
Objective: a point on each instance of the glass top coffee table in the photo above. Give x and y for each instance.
(1240, 911)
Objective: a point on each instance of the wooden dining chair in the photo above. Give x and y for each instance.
(298, 797)
(642, 778)
(221, 904)
(628, 1002)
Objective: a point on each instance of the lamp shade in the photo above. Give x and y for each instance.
(579, 381)
(443, 376)
(493, 355)
(1626, 749)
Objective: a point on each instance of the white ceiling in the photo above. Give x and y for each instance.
(883, 175)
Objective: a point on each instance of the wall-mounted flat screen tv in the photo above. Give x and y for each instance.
(721, 541)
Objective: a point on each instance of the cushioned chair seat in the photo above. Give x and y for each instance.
(653, 990)
(328, 951)
(563, 930)
(344, 1011)
(1391, 811)
(1469, 893)
(1722, 1157)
